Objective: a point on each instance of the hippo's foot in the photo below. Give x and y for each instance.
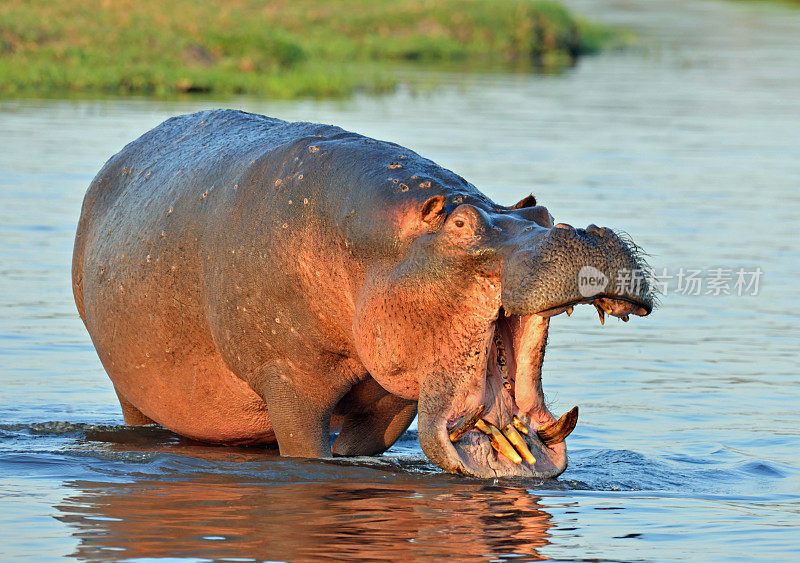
(132, 415)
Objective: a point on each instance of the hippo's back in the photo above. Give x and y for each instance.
(162, 177)
(200, 147)
(137, 269)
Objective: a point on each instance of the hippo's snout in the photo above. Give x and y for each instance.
(569, 266)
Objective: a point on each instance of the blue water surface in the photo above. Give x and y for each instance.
(687, 446)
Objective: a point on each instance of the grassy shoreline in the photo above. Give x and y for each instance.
(280, 49)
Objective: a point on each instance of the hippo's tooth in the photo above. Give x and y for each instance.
(601, 313)
(467, 424)
(557, 431)
(519, 444)
(605, 306)
(500, 353)
(625, 318)
(569, 311)
(498, 441)
(519, 425)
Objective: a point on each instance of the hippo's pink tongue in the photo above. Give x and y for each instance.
(529, 343)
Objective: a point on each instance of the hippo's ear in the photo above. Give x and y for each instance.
(433, 211)
(527, 201)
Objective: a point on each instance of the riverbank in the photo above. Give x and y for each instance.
(277, 50)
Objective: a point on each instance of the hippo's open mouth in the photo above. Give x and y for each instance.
(505, 428)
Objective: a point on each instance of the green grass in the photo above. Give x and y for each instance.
(794, 3)
(279, 49)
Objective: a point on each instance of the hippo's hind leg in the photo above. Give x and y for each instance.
(373, 420)
(131, 414)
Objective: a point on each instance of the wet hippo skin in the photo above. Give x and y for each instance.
(246, 280)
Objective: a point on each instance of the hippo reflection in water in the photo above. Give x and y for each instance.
(246, 280)
(221, 517)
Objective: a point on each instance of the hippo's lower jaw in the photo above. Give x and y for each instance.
(506, 430)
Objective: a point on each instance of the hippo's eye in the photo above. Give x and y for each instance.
(459, 223)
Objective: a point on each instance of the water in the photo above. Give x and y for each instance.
(687, 446)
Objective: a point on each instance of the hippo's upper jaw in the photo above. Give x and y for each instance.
(481, 406)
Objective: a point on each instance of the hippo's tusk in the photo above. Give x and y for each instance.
(466, 424)
(498, 441)
(519, 425)
(605, 306)
(519, 444)
(557, 431)
(601, 313)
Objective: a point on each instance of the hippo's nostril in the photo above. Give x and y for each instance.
(598, 231)
(564, 226)
(595, 230)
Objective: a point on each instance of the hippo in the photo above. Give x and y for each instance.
(247, 280)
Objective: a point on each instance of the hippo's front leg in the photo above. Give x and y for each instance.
(300, 406)
(373, 419)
